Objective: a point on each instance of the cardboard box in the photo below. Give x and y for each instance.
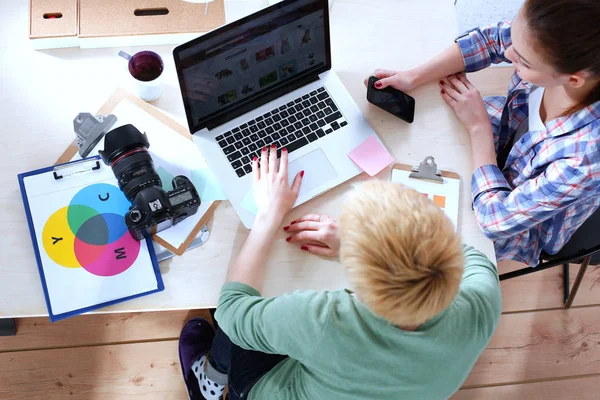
(145, 22)
(120, 23)
(53, 23)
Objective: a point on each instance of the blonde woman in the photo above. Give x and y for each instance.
(424, 306)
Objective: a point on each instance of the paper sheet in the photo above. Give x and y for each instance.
(371, 156)
(173, 154)
(445, 195)
(87, 254)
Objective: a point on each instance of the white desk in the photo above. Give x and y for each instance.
(41, 93)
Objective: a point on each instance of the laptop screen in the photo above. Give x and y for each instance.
(243, 61)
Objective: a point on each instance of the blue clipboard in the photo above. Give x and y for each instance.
(57, 175)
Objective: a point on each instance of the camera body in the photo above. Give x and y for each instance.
(153, 206)
(126, 151)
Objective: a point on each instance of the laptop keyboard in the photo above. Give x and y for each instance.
(293, 126)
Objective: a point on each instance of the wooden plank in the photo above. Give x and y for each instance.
(86, 330)
(585, 388)
(540, 345)
(589, 291)
(544, 289)
(130, 371)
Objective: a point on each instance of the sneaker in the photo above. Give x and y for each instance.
(194, 343)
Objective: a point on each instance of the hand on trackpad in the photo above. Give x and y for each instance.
(317, 170)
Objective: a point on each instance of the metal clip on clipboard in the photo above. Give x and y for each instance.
(77, 167)
(427, 170)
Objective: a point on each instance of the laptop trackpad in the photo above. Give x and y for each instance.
(317, 170)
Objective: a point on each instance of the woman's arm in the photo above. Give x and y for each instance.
(502, 212)
(274, 198)
(450, 61)
(483, 150)
(249, 265)
(467, 103)
(474, 50)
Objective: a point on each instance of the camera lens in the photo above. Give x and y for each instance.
(125, 150)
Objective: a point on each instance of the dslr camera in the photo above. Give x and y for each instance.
(126, 152)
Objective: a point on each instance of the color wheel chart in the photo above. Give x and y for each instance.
(91, 233)
(86, 256)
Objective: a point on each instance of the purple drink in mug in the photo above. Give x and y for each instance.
(146, 69)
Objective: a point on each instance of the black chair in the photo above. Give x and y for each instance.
(583, 248)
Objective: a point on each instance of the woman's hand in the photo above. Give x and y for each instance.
(319, 233)
(401, 80)
(468, 105)
(466, 102)
(272, 192)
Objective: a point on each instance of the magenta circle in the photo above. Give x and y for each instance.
(86, 253)
(116, 258)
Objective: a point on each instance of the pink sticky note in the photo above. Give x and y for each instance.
(371, 156)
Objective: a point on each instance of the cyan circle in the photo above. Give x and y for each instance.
(102, 197)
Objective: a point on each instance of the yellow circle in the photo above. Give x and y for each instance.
(59, 240)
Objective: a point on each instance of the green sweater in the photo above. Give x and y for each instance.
(339, 349)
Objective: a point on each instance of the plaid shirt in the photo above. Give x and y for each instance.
(551, 181)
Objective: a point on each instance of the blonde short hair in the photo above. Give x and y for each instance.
(400, 251)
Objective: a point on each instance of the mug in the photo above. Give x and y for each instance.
(146, 70)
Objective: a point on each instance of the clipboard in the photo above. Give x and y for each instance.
(81, 275)
(107, 108)
(441, 187)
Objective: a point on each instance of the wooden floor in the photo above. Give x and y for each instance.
(539, 350)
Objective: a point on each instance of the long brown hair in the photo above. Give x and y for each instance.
(568, 34)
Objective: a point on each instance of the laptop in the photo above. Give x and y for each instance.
(267, 79)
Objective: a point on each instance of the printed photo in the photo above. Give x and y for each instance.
(244, 64)
(265, 54)
(305, 37)
(227, 98)
(224, 73)
(285, 46)
(247, 89)
(288, 69)
(267, 79)
(244, 67)
(306, 61)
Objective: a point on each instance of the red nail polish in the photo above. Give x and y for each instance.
(264, 148)
(301, 173)
(377, 84)
(284, 149)
(255, 158)
(293, 222)
(441, 82)
(273, 146)
(304, 248)
(443, 92)
(288, 239)
(285, 228)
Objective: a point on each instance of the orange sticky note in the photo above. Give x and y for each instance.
(440, 201)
